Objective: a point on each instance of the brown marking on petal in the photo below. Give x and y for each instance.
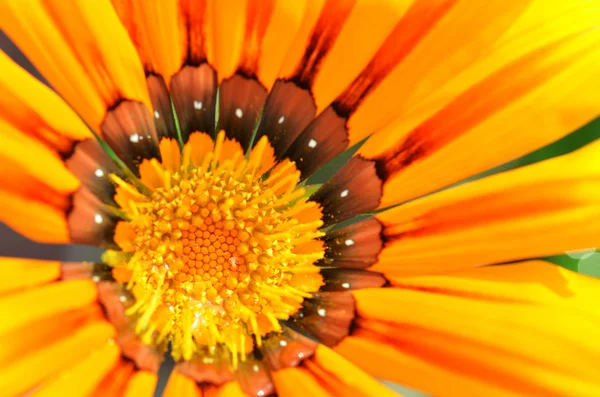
(286, 349)
(161, 102)
(354, 246)
(408, 32)
(209, 368)
(109, 296)
(327, 316)
(288, 110)
(254, 378)
(259, 14)
(353, 190)
(92, 166)
(130, 131)
(194, 94)
(90, 221)
(323, 139)
(330, 23)
(241, 100)
(85, 270)
(471, 108)
(345, 279)
(193, 13)
(416, 146)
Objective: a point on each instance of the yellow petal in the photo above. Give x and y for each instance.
(543, 209)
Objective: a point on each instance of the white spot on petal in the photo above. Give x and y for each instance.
(156, 114)
(312, 144)
(344, 193)
(282, 343)
(346, 285)
(322, 312)
(95, 278)
(98, 218)
(239, 113)
(99, 173)
(281, 120)
(135, 138)
(255, 368)
(197, 105)
(349, 242)
(260, 393)
(122, 298)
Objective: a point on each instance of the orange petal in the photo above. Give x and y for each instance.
(543, 209)
(343, 377)
(231, 389)
(181, 386)
(383, 362)
(26, 371)
(431, 44)
(84, 377)
(171, 154)
(252, 36)
(33, 219)
(32, 161)
(531, 349)
(26, 307)
(141, 384)
(36, 110)
(83, 50)
(532, 282)
(18, 273)
(115, 381)
(200, 144)
(158, 31)
(284, 24)
(297, 382)
(498, 105)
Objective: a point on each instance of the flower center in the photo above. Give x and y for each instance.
(220, 251)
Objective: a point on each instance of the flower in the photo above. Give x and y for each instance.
(181, 138)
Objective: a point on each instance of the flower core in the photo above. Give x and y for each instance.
(220, 250)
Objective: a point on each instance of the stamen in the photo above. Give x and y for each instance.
(215, 251)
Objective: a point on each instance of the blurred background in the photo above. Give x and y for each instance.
(586, 261)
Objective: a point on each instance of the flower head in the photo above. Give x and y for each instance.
(184, 137)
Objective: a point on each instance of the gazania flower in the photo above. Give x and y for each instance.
(181, 137)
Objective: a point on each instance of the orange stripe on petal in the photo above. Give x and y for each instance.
(114, 383)
(284, 24)
(27, 371)
(515, 108)
(181, 386)
(83, 378)
(360, 48)
(157, 29)
(439, 39)
(29, 306)
(524, 348)
(141, 384)
(36, 110)
(20, 273)
(543, 209)
(83, 50)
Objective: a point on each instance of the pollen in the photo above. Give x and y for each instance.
(219, 250)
